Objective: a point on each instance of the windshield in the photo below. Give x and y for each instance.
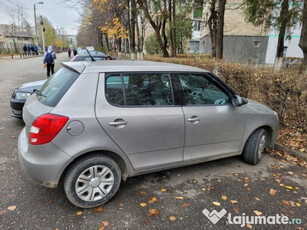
(56, 86)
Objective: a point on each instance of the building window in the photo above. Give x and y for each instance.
(256, 43)
(196, 25)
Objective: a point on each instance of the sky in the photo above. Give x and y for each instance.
(59, 13)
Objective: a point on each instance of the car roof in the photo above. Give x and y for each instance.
(129, 66)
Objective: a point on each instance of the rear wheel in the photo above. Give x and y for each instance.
(92, 181)
(254, 147)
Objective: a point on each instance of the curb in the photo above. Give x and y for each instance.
(296, 153)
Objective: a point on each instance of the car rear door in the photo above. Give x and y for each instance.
(214, 127)
(138, 112)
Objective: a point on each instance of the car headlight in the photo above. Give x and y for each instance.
(22, 95)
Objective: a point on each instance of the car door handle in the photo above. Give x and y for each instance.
(117, 123)
(194, 119)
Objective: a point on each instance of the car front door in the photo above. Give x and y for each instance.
(138, 112)
(214, 127)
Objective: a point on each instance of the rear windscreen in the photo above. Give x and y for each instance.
(56, 86)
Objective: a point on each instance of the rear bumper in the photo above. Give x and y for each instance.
(44, 163)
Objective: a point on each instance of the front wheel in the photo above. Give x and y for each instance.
(254, 147)
(92, 181)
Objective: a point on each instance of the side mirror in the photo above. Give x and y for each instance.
(238, 101)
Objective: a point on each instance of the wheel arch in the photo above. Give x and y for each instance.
(270, 133)
(123, 165)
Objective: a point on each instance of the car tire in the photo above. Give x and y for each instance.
(92, 180)
(254, 146)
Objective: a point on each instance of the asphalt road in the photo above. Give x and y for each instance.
(174, 199)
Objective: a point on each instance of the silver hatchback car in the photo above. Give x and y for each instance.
(93, 124)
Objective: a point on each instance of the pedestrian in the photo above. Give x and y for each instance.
(25, 50)
(69, 52)
(49, 57)
(75, 52)
(29, 50)
(32, 49)
(35, 49)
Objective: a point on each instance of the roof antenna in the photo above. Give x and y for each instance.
(90, 55)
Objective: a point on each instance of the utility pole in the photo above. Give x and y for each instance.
(34, 6)
(43, 30)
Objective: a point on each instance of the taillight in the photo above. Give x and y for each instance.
(74, 59)
(45, 128)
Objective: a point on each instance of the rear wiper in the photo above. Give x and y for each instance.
(39, 93)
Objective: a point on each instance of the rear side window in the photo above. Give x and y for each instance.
(144, 89)
(56, 86)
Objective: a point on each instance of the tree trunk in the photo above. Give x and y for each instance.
(163, 29)
(171, 26)
(212, 27)
(220, 29)
(129, 25)
(281, 36)
(133, 21)
(303, 39)
(155, 27)
(174, 28)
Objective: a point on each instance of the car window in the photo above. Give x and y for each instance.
(56, 86)
(198, 90)
(95, 58)
(145, 89)
(114, 90)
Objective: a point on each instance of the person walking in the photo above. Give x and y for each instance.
(25, 50)
(36, 50)
(29, 50)
(75, 52)
(49, 57)
(69, 52)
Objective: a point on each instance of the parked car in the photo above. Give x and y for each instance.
(22, 92)
(94, 124)
(98, 56)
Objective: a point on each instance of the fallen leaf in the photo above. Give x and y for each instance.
(11, 208)
(234, 201)
(13, 137)
(98, 209)
(285, 202)
(203, 189)
(219, 181)
(262, 178)
(291, 173)
(235, 210)
(185, 205)
(273, 192)
(172, 218)
(121, 205)
(258, 213)
(163, 189)
(257, 198)
(224, 197)
(79, 213)
(282, 185)
(57, 229)
(245, 185)
(153, 200)
(153, 212)
(105, 223)
(178, 197)
(297, 188)
(246, 180)
(249, 226)
(143, 204)
(142, 193)
(298, 204)
(216, 203)
(288, 187)
(2, 212)
(48, 201)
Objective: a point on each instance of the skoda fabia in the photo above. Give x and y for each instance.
(94, 124)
